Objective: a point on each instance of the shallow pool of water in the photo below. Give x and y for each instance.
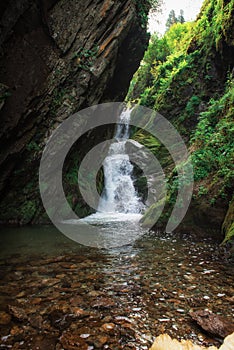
(58, 294)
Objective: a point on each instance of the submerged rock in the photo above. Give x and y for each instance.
(214, 324)
(5, 318)
(73, 341)
(18, 312)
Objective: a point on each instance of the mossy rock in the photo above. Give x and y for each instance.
(152, 215)
(228, 224)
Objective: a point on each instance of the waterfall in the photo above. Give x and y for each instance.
(119, 195)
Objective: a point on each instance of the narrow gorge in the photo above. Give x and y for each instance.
(116, 176)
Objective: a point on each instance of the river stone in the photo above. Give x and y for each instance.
(18, 312)
(104, 303)
(212, 323)
(108, 327)
(71, 341)
(5, 318)
(98, 341)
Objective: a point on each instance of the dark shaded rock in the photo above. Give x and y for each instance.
(57, 56)
(60, 320)
(18, 312)
(213, 323)
(36, 321)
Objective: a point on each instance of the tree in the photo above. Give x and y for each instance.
(181, 17)
(171, 19)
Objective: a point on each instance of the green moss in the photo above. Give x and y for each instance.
(33, 146)
(229, 234)
(228, 224)
(154, 211)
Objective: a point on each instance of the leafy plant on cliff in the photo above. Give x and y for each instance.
(143, 8)
(85, 57)
(182, 76)
(213, 141)
(162, 60)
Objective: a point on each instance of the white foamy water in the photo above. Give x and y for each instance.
(108, 230)
(119, 195)
(116, 222)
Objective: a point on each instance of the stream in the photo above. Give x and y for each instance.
(57, 294)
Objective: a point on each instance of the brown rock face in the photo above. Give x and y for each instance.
(57, 57)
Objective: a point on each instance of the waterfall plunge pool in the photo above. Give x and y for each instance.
(106, 230)
(117, 298)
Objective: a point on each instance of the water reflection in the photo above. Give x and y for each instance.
(116, 298)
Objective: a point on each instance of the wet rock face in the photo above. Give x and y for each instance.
(58, 57)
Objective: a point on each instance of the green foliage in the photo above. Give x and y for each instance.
(188, 46)
(72, 175)
(163, 59)
(33, 146)
(143, 8)
(148, 140)
(192, 105)
(214, 22)
(228, 224)
(180, 18)
(180, 77)
(213, 139)
(85, 57)
(172, 19)
(202, 190)
(62, 95)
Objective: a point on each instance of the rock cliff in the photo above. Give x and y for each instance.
(57, 57)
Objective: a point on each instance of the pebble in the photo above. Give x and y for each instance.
(108, 326)
(84, 336)
(181, 311)
(164, 319)
(111, 300)
(5, 318)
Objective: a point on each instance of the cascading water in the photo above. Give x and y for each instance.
(116, 221)
(119, 195)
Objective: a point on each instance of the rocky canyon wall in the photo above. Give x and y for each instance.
(57, 57)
